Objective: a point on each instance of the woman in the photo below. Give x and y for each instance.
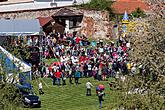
(100, 97)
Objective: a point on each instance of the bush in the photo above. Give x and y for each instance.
(138, 13)
(100, 5)
(10, 97)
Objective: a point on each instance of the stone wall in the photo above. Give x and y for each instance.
(94, 23)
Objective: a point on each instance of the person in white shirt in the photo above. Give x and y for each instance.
(133, 69)
(40, 88)
(89, 73)
(88, 86)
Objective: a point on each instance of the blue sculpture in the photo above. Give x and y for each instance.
(125, 17)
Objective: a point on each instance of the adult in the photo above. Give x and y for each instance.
(100, 97)
(70, 76)
(77, 76)
(40, 69)
(63, 75)
(43, 70)
(58, 76)
(99, 74)
(89, 73)
(53, 77)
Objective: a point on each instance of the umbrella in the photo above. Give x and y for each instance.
(97, 89)
(101, 87)
(54, 63)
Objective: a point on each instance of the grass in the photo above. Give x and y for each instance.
(72, 97)
(50, 61)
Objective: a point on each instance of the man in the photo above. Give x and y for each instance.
(88, 86)
(77, 76)
(63, 75)
(40, 69)
(70, 76)
(89, 73)
(58, 76)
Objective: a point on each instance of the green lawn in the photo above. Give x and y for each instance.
(73, 97)
(50, 61)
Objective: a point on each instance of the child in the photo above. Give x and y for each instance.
(40, 88)
(88, 86)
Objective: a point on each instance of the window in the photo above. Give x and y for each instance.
(74, 22)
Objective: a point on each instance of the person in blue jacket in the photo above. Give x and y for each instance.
(77, 76)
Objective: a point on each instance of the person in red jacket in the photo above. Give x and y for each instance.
(58, 76)
(77, 40)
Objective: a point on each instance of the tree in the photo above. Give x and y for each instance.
(101, 5)
(146, 89)
(10, 97)
(138, 13)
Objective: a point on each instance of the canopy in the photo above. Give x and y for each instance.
(22, 66)
(20, 27)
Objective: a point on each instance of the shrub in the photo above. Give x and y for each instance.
(138, 13)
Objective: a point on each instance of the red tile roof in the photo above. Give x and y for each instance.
(120, 6)
(44, 20)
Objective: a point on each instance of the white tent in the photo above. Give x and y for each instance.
(23, 67)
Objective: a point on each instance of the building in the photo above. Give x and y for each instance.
(64, 20)
(50, 14)
(20, 5)
(70, 19)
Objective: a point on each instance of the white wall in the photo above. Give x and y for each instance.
(38, 4)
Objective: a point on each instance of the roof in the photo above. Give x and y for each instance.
(44, 20)
(65, 12)
(19, 27)
(15, 2)
(120, 6)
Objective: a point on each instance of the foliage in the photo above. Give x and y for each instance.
(101, 5)
(147, 38)
(138, 13)
(10, 97)
(142, 93)
(20, 51)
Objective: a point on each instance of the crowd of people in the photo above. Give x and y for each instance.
(78, 57)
